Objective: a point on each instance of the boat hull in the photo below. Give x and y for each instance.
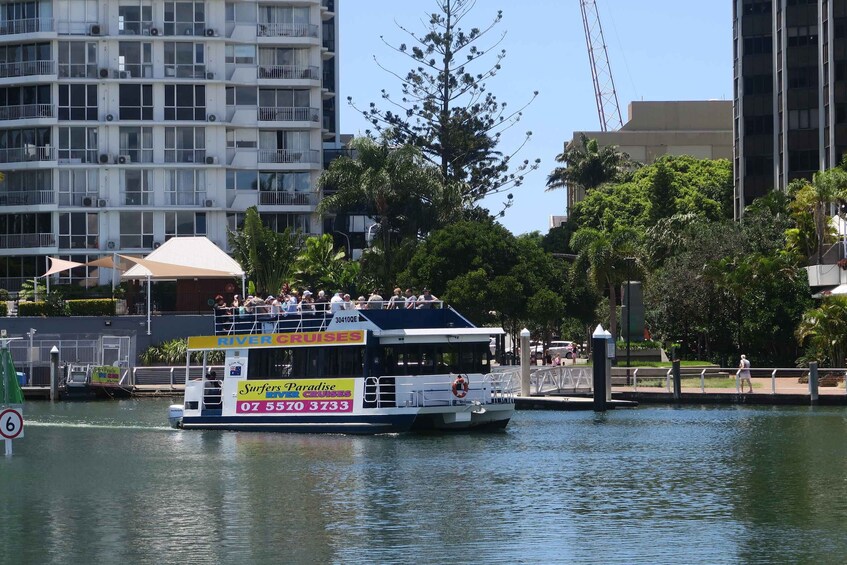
(361, 424)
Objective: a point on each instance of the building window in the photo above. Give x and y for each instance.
(757, 7)
(136, 230)
(185, 187)
(235, 221)
(241, 180)
(184, 224)
(78, 102)
(241, 96)
(185, 18)
(285, 63)
(803, 119)
(758, 45)
(758, 84)
(285, 104)
(136, 101)
(279, 222)
(802, 35)
(803, 161)
(757, 166)
(758, 125)
(185, 145)
(77, 59)
(185, 102)
(242, 138)
(78, 187)
(137, 144)
(135, 59)
(184, 60)
(240, 54)
(281, 146)
(25, 60)
(841, 113)
(17, 102)
(135, 19)
(78, 230)
(78, 145)
(135, 187)
(18, 185)
(29, 144)
(803, 77)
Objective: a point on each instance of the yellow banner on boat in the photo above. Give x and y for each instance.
(298, 339)
(295, 396)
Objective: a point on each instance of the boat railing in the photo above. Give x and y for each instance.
(264, 319)
(436, 390)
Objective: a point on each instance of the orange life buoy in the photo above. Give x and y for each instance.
(460, 387)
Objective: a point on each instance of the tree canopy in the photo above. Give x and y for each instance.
(446, 108)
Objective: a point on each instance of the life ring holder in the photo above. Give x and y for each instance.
(461, 386)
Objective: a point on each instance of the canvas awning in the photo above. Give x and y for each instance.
(59, 265)
(156, 270)
(185, 258)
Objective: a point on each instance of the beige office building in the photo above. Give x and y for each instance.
(702, 129)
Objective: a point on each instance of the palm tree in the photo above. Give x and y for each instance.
(605, 256)
(826, 329)
(266, 256)
(319, 265)
(587, 166)
(406, 196)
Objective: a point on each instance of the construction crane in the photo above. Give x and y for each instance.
(606, 96)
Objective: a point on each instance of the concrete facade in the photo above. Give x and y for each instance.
(702, 129)
(123, 124)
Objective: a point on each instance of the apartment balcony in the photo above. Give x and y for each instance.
(186, 71)
(31, 25)
(79, 70)
(188, 199)
(27, 112)
(27, 240)
(306, 156)
(286, 30)
(79, 200)
(288, 72)
(292, 114)
(136, 198)
(127, 27)
(327, 7)
(28, 154)
(285, 198)
(27, 198)
(27, 68)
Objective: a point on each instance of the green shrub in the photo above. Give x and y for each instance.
(4, 295)
(39, 308)
(4, 310)
(91, 307)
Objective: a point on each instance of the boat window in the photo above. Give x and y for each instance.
(305, 362)
(430, 359)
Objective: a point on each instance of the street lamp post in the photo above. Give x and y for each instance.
(629, 261)
(349, 250)
(31, 333)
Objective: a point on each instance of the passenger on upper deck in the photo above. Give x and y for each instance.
(396, 300)
(307, 305)
(410, 299)
(321, 302)
(427, 299)
(336, 303)
(375, 300)
(348, 303)
(223, 315)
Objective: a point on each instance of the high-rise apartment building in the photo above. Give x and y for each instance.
(124, 123)
(790, 84)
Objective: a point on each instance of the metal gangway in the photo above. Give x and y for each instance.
(552, 380)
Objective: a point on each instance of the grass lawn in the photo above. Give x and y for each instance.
(694, 382)
(668, 364)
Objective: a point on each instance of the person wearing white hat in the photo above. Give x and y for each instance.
(744, 374)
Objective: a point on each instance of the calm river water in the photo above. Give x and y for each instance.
(109, 482)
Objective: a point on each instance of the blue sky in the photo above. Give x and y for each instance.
(659, 50)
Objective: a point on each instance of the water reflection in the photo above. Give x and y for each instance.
(107, 482)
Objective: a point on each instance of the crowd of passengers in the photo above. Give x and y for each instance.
(291, 301)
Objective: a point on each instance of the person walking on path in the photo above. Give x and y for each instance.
(744, 373)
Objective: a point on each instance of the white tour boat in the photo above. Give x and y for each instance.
(351, 371)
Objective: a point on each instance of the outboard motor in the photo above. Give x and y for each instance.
(175, 415)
